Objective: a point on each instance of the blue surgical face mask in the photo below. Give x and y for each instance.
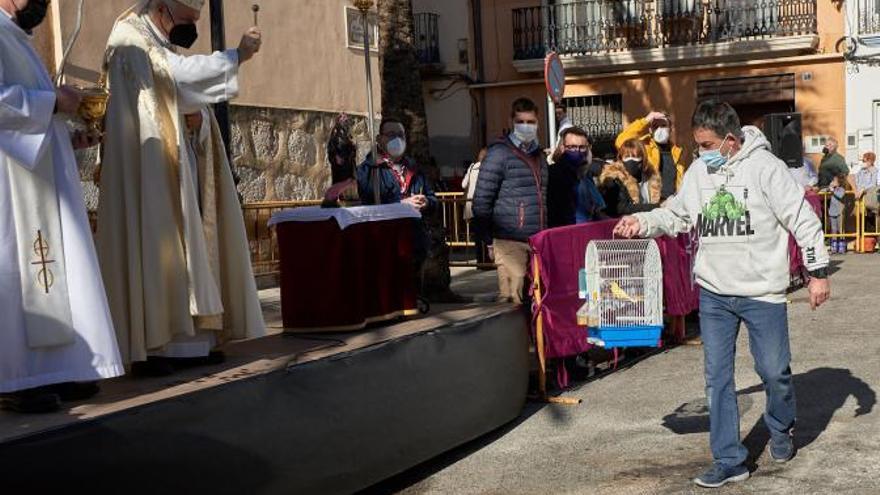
(713, 158)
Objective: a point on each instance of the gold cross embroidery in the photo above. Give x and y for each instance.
(44, 277)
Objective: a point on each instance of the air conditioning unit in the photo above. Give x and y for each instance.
(867, 46)
(814, 144)
(871, 41)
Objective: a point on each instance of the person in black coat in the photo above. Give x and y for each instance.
(572, 196)
(509, 201)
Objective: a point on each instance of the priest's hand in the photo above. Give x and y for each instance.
(82, 139)
(250, 44)
(67, 99)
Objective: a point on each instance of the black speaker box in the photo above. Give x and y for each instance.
(783, 130)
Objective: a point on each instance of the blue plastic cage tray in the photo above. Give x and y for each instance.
(616, 336)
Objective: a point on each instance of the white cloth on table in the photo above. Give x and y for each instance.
(346, 217)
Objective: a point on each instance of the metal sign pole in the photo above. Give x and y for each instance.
(554, 80)
(551, 123)
(364, 6)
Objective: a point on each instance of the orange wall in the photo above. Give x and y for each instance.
(821, 100)
(498, 38)
(498, 34)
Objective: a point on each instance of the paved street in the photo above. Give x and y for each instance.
(643, 429)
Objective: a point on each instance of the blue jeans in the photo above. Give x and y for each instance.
(767, 324)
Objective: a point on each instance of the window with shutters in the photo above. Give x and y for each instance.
(601, 116)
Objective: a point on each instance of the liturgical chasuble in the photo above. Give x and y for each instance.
(171, 236)
(54, 322)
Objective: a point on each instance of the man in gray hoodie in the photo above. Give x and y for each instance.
(743, 204)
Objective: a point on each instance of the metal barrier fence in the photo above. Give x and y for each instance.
(850, 222)
(858, 223)
(870, 225)
(458, 230)
(263, 241)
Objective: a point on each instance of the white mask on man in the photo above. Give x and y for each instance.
(526, 133)
(396, 147)
(661, 135)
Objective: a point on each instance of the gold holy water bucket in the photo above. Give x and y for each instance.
(93, 107)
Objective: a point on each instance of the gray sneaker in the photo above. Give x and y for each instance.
(782, 448)
(718, 476)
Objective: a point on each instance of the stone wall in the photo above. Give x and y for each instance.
(279, 154)
(87, 159)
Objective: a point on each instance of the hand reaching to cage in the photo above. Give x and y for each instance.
(628, 227)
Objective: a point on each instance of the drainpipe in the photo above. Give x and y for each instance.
(477, 17)
(551, 107)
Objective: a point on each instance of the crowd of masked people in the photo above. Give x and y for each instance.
(516, 188)
(514, 194)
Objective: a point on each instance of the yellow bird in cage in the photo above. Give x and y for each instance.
(619, 293)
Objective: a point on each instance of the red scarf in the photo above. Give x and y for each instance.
(405, 178)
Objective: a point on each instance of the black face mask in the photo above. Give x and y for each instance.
(182, 35)
(31, 15)
(634, 167)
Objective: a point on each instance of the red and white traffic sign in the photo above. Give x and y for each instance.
(554, 77)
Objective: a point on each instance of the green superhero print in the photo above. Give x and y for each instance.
(724, 205)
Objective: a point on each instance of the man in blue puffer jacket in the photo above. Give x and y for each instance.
(509, 201)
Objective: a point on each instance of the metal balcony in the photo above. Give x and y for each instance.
(588, 27)
(427, 39)
(868, 17)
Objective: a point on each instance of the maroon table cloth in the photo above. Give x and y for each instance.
(336, 279)
(560, 253)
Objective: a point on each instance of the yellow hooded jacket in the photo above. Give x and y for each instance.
(641, 129)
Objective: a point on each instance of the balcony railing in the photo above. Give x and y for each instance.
(427, 39)
(585, 27)
(868, 14)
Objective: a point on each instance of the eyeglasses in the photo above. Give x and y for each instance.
(574, 147)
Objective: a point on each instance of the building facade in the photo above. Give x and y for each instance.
(624, 59)
(863, 71)
(443, 34)
(310, 69)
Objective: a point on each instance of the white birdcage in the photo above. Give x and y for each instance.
(624, 293)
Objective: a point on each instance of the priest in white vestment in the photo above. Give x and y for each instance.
(55, 326)
(171, 236)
